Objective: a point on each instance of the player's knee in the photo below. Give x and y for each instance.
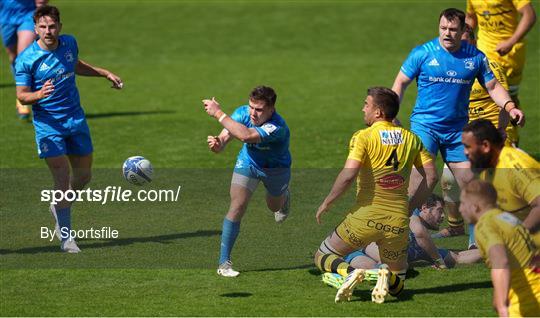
(236, 212)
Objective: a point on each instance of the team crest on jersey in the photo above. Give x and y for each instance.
(391, 181)
(69, 56)
(391, 137)
(43, 147)
(269, 128)
(469, 64)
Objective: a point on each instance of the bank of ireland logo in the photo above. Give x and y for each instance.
(451, 73)
(60, 71)
(69, 56)
(469, 65)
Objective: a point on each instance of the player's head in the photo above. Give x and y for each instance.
(476, 198)
(451, 27)
(262, 100)
(482, 143)
(47, 24)
(381, 103)
(468, 35)
(432, 212)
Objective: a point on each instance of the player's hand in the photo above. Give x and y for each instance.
(517, 117)
(211, 106)
(504, 47)
(322, 209)
(115, 80)
(502, 311)
(214, 144)
(46, 90)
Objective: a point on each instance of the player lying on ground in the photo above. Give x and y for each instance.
(421, 249)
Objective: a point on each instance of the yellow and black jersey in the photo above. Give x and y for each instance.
(387, 153)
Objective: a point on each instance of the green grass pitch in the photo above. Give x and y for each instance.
(320, 56)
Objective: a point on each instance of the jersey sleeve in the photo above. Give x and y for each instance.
(357, 147)
(470, 7)
(240, 115)
(526, 183)
(484, 73)
(487, 234)
(499, 74)
(271, 132)
(518, 4)
(411, 66)
(23, 73)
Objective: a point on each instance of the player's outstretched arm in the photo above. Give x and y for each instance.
(500, 276)
(423, 238)
(528, 18)
(501, 97)
(85, 69)
(342, 183)
(418, 193)
(236, 129)
(27, 97)
(217, 143)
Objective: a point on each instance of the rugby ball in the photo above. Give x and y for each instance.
(137, 170)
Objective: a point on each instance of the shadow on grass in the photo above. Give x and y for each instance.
(6, 85)
(164, 239)
(120, 114)
(237, 295)
(311, 266)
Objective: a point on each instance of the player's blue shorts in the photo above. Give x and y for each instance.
(349, 257)
(275, 180)
(449, 143)
(9, 31)
(69, 136)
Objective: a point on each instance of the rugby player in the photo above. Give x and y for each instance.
(45, 79)
(17, 23)
(264, 157)
(445, 69)
(502, 27)
(507, 249)
(380, 159)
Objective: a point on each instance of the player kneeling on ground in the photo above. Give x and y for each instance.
(381, 158)
(264, 157)
(507, 248)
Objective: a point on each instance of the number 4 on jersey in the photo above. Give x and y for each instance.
(393, 160)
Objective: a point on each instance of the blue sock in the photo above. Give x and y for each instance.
(472, 241)
(228, 237)
(64, 221)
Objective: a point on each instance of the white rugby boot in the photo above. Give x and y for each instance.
(344, 293)
(225, 270)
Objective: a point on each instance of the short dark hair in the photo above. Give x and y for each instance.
(451, 14)
(47, 11)
(432, 201)
(386, 99)
(483, 190)
(265, 94)
(483, 129)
